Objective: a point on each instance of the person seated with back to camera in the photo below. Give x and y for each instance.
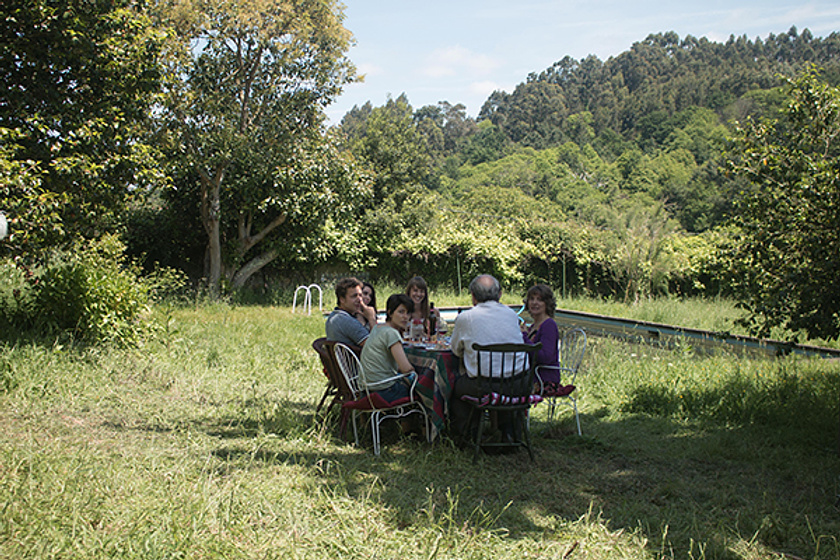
(342, 325)
(541, 305)
(383, 356)
(487, 322)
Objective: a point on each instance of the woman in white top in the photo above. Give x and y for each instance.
(418, 291)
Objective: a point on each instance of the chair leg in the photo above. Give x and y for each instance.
(551, 402)
(335, 401)
(484, 415)
(355, 429)
(342, 428)
(577, 417)
(374, 429)
(428, 423)
(526, 434)
(327, 392)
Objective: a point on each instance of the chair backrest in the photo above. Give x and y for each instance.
(326, 359)
(350, 367)
(572, 348)
(507, 369)
(334, 372)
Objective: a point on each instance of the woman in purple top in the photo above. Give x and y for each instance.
(540, 303)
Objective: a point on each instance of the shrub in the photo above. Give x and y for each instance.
(92, 294)
(14, 296)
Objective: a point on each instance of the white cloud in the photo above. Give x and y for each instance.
(484, 88)
(369, 69)
(456, 60)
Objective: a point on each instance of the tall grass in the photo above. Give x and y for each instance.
(203, 443)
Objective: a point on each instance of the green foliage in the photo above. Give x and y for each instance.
(15, 296)
(446, 129)
(789, 247)
(243, 115)
(607, 174)
(89, 294)
(637, 92)
(389, 144)
(33, 213)
(487, 144)
(639, 261)
(79, 78)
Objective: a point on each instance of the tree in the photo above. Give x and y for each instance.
(79, 78)
(246, 101)
(393, 150)
(487, 144)
(640, 263)
(789, 254)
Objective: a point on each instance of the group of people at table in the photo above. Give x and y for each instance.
(383, 356)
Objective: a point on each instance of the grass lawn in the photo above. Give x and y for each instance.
(202, 444)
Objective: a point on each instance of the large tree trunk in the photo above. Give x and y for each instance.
(254, 265)
(247, 241)
(211, 217)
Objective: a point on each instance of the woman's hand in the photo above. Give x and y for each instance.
(369, 314)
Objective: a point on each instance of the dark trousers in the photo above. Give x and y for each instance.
(459, 411)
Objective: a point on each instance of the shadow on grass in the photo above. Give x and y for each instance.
(677, 481)
(286, 418)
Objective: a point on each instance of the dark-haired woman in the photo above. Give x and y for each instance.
(369, 299)
(418, 291)
(541, 305)
(383, 356)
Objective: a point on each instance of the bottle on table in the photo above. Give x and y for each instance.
(432, 322)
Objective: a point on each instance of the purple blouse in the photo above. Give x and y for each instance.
(548, 334)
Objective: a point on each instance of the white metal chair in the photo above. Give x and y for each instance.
(571, 348)
(366, 400)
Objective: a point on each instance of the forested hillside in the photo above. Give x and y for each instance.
(606, 176)
(638, 93)
(197, 140)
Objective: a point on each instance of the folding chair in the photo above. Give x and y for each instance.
(330, 371)
(336, 385)
(570, 349)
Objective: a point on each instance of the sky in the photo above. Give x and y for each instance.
(461, 51)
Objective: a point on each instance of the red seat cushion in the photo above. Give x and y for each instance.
(558, 390)
(374, 401)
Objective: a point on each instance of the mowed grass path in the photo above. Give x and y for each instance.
(202, 444)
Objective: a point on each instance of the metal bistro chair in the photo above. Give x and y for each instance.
(571, 349)
(330, 370)
(504, 393)
(336, 386)
(367, 401)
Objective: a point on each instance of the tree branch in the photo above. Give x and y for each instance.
(248, 241)
(248, 269)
